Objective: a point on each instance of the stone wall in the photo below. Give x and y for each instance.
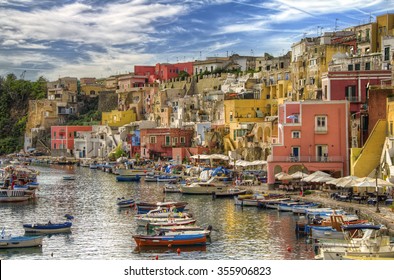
(108, 101)
(207, 82)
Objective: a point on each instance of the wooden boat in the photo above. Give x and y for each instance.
(128, 178)
(302, 208)
(170, 240)
(144, 221)
(230, 193)
(163, 212)
(170, 223)
(145, 207)
(184, 229)
(125, 203)
(47, 228)
(151, 177)
(14, 195)
(8, 241)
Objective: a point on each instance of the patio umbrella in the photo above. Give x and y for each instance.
(321, 179)
(314, 175)
(299, 175)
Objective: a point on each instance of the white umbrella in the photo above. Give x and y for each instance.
(315, 175)
(299, 175)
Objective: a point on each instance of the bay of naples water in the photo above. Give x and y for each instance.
(101, 231)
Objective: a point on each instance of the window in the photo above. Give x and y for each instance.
(367, 65)
(54, 146)
(321, 152)
(152, 139)
(182, 140)
(350, 93)
(167, 141)
(296, 134)
(386, 53)
(357, 67)
(321, 124)
(350, 67)
(175, 140)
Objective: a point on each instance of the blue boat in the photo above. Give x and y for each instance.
(47, 228)
(125, 203)
(128, 178)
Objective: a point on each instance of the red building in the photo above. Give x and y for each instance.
(62, 138)
(163, 71)
(159, 142)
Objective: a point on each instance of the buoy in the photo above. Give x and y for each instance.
(169, 245)
(178, 251)
(157, 257)
(288, 248)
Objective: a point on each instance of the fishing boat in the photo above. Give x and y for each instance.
(184, 229)
(14, 195)
(125, 202)
(9, 241)
(151, 177)
(144, 221)
(133, 172)
(170, 240)
(170, 223)
(128, 178)
(49, 228)
(163, 212)
(145, 207)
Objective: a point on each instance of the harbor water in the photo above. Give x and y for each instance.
(101, 231)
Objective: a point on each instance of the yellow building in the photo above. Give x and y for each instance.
(92, 89)
(117, 118)
(241, 115)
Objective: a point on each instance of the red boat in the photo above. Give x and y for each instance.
(169, 240)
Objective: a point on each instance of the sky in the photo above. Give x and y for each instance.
(100, 38)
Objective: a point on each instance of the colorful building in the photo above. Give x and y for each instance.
(312, 135)
(159, 142)
(62, 138)
(117, 118)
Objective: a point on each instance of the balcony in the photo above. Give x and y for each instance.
(321, 130)
(302, 159)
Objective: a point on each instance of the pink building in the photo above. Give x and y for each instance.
(148, 71)
(312, 135)
(62, 138)
(163, 71)
(127, 82)
(159, 142)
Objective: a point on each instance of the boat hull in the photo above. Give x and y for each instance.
(128, 178)
(14, 195)
(20, 242)
(47, 228)
(170, 240)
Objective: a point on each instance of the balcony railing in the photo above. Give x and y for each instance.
(305, 159)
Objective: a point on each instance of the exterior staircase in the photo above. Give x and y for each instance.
(365, 162)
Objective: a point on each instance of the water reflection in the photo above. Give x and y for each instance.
(102, 231)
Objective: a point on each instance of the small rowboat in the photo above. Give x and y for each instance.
(128, 178)
(184, 230)
(169, 240)
(125, 203)
(68, 177)
(145, 207)
(48, 228)
(143, 221)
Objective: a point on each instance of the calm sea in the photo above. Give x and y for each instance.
(103, 232)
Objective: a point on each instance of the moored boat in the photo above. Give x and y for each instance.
(230, 193)
(14, 195)
(125, 202)
(47, 228)
(145, 207)
(169, 240)
(8, 241)
(68, 177)
(128, 178)
(208, 187)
